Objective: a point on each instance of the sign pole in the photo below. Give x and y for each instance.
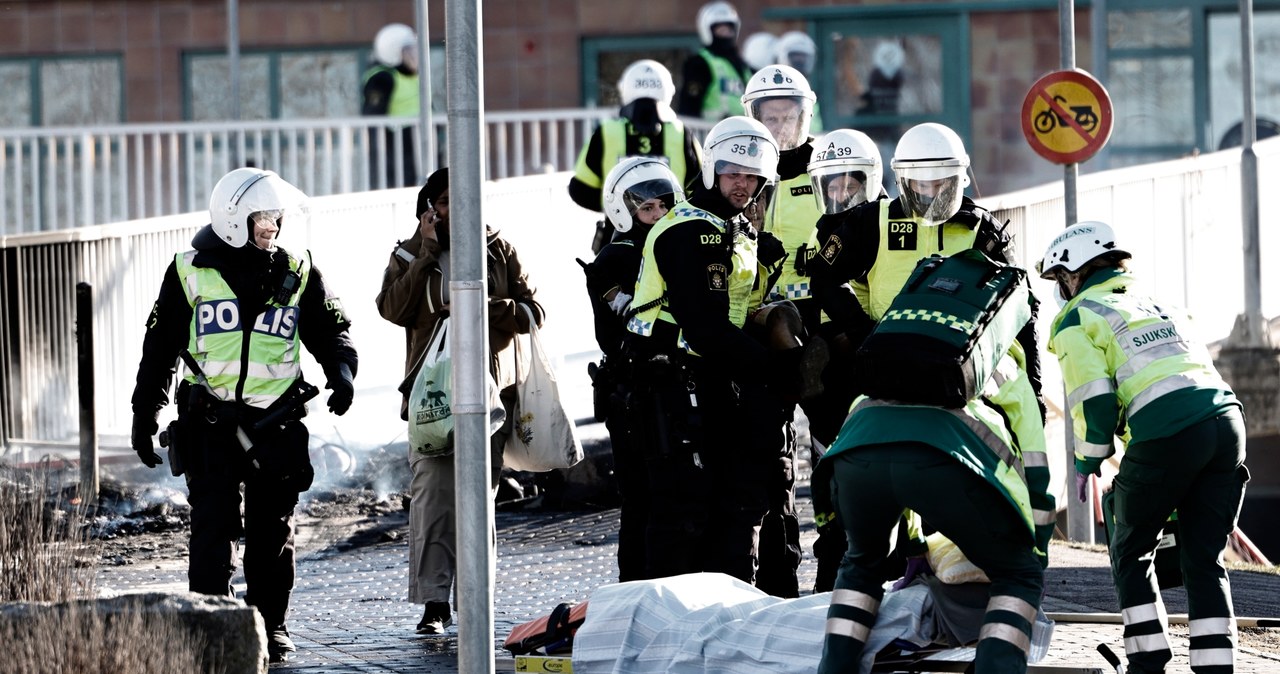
(1067, 47)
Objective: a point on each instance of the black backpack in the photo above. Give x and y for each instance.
(944, 333)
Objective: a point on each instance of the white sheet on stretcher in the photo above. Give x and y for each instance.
(711, 623)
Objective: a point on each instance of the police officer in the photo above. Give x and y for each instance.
(1132, 369)
(845, 170)
(798, 50)
(714, 77)
(645, 126)
(638, 192)
(243, 307)
(979, 475)
(876, 244)
(391, 90)
(693, 296)
(779, 97)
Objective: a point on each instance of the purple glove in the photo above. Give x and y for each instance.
(915, 567)
(1082, 486)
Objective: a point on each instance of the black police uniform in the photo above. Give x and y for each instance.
(215, 461)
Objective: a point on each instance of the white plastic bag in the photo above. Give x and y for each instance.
(543, 436)
(430, 419)
(431, 398)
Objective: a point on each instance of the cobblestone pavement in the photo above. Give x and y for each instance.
(350, 613)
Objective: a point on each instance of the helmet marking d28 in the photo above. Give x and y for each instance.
(712, 13)
(779, 96)
(931, 167)
(1078, 245)
(842, 156)
(634, 181)
(391, 41)
(240, 194)
(739, 145)
(646, 78)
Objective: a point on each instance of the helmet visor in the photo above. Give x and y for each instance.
(840, 188)
(786, 117)
(663, 190)
(933, 201)
(802, 61)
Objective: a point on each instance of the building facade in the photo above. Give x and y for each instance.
(1172, 67)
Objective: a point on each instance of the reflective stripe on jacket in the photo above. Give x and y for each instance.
(793, 218)
(262, 372)
(651, 288)
(998, 436)
(1130, 367)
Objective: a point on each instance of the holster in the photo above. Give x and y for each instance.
(175, 438)
(284, 456)
(665, 418)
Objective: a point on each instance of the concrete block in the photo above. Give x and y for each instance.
(137, 633)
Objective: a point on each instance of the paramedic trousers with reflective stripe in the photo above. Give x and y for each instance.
(1199, 472)
(871, 486)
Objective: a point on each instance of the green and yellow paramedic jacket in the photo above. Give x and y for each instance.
(618, 139)
(699, 288)
(999, 436)
(404, 94)
(1130, 368)
(723, 97)
(259, 374)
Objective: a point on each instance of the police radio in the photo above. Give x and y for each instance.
(288, 286)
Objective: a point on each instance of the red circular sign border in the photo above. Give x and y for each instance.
(1105, 116)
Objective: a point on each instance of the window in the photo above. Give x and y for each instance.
(604, 59)
(300, 84)
(65, 91)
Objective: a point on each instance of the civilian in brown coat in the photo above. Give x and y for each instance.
(415, 295)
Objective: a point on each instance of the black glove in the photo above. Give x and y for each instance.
(769, 250)
(145, 426)
(343, 390)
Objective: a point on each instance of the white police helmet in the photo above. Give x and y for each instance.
(789, 124)
(391, 41)
(845, 153)
(797, 50)
(634, 181)
(933, 154)
(739, 145)
(646, 78)
(758, 50)
(244, 192)
(713, 13)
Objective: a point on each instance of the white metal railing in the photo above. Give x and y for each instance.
(62, 177)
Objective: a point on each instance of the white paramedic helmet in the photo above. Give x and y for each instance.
(739, 145)
(790, 128)
(246, 191)
(758, 50)
(646, 78)
(391, 41)
(841, 153)
(796, 49)
(634, 181)
(1077, 245)
(713, 13)
(933, 154)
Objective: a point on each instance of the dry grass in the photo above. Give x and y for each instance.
(46, 556)
(45, 553)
